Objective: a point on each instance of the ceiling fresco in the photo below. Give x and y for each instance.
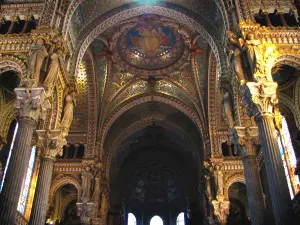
(150, 44)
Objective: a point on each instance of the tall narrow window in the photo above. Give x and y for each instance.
(288, 158)
(9, 155)
(131, 219)
(156, 220)
(26, 183)
(180, 219)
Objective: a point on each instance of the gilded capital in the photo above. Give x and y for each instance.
(221, 209)
(244, 139)
(260, 98)
(31, 102)
(51, 142)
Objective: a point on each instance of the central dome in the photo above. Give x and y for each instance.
(150, 46)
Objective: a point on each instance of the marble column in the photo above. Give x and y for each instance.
(245, 139)
(29, 104)
(260, 98)
(51, 143)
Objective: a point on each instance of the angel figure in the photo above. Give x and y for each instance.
(37, 55)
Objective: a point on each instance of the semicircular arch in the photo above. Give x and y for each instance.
(234, 179)
(140, 125)
(63, 181)
(12, 63)
(143, 98)
(102, 24)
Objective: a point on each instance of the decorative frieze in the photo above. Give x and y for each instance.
(68, 167)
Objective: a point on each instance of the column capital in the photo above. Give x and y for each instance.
(31, 103)
(259, 98)
(51, 142)
(244, 139)
(85, 211)
(221, 209)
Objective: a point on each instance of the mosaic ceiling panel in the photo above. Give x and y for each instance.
(150, 45)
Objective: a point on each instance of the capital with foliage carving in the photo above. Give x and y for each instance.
(31, 103)
(51, 142)
(221, 209)
(260, 98)
(85, 211)
(245, 139)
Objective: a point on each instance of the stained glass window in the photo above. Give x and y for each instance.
(9, 155)
(180, 219)
(156, 220)
(27, 182)
(131, 219)
(288, 158)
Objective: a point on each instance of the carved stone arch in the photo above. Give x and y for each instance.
(143, 98)
(12, 63)
(56, 184)
(220, 4)
(92, 102)
(212, 107)
(233, 179)
(140, 125)
(65, 202)
(126, 13)
(287, 59)
(67, 20)
(293, 107)
(7, 115)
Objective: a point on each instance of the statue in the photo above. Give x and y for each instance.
(237, 55)
(219, 180)
(208, 186)
(68, 114)
(228, 108)
(52, 75)
(87, 178)
(254, 53)
(36, 58)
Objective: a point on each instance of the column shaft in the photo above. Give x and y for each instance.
(20, 154)
(40, 201)
(279, 192)
(254, 190)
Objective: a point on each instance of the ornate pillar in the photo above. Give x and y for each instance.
(51, 143)
(245, 139)
(260, 99)
(30, 103)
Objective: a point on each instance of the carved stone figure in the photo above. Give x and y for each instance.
(68, 114)
(52, 75)
(228, 109)
(254, 53)
(36, 58)
(219, 180)
(237, 64)
(237, 55)
(87, 178)
(208, 186)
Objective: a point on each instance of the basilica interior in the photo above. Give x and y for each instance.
(149, 112)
